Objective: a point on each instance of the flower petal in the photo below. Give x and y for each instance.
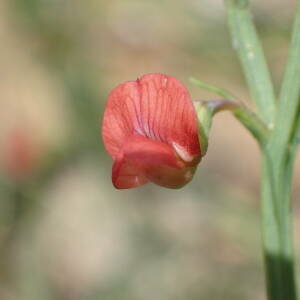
(155, 106)
(119, 116)
(126, 175)
(142, 159)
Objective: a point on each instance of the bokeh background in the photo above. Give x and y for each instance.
(65, 232)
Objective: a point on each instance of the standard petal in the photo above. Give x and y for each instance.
(168, 115)
(142, 159)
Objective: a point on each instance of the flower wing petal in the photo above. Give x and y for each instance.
(167, 114)
(126, 175)
(143, 159)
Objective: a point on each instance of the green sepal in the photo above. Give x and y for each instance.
(204, 116)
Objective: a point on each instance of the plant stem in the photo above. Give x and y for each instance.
(289, 93)
(207, 109)
(247, 45)
(280, 150)
(277, 233)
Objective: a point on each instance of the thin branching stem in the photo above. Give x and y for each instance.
(279, 152)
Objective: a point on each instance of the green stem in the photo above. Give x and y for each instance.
(281, 152)
(280, 149)
(288, 111)
(207, 109)
(251, 56)
(277, 231)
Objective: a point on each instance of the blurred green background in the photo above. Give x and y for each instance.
(65, 232)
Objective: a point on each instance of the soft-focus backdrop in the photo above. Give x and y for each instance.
(65, 232)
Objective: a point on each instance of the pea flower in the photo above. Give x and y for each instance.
(150, 130)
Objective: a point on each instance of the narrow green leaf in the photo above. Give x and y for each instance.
(213, 89)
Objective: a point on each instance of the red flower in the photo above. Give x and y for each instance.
(20, 153)
(150, 130)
